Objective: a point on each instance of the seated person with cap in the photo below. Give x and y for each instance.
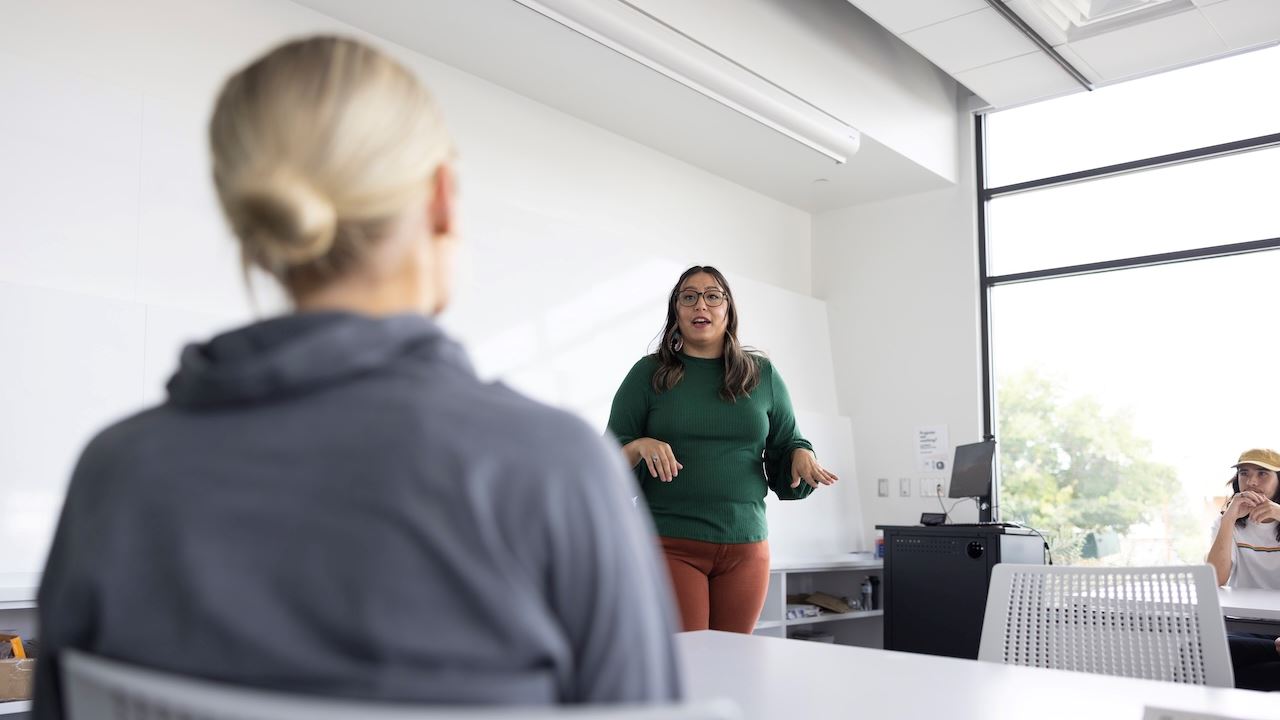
(1246, 554)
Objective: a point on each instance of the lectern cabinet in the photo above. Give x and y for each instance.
(935, 583)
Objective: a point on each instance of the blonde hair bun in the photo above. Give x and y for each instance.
(284, 219)
(317, 147)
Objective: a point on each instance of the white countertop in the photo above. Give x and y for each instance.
(18, 590)
(839, 561)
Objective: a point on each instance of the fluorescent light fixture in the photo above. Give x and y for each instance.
(627, 30)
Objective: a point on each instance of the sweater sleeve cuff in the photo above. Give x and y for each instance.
(779, 474)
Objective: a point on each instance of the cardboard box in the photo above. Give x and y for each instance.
(16, 677)
(828, 602)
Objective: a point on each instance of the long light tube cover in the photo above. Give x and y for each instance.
(639, 36)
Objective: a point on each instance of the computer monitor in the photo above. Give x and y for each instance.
(972, 469)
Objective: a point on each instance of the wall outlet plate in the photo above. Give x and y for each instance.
(932, 487)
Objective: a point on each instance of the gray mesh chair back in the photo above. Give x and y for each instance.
(1158, 623)
(98, 689)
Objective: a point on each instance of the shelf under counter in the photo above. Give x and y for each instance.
(830, 617)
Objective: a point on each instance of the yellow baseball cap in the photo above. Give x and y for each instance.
(1262, 457)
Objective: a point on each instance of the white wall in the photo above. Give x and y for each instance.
(112, 253)
(900, 281)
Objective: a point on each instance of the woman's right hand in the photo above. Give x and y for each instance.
(1242, 503)
(657, 455)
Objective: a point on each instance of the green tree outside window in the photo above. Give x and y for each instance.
(1081, 474)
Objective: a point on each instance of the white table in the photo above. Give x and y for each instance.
(1250, 610)
(1250, 603)
(772, 678)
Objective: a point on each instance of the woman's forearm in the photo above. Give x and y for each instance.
(1220, 551)
(631, 452)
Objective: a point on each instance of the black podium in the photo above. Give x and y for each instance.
(935, 582)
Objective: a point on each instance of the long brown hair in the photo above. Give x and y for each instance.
(1234, 482)
(741, 365)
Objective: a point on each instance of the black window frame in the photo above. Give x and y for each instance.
(988, 282)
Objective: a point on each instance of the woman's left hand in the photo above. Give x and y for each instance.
(805, 467)
(1265, 512)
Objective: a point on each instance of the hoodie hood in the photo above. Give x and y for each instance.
(296, 353)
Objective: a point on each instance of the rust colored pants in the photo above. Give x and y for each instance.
(718, 587)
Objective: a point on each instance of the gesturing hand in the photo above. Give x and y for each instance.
(805, 467)
(658, 456)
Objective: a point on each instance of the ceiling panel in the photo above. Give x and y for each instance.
(1244, 23)
(1203, 30)
(1077, 62)
(1018, 80)
(1154, 45)
(901, 16)
(969, 41)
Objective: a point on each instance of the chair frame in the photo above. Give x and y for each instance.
(96, 688)
(1158, 623)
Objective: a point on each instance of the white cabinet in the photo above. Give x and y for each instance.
(841, 576)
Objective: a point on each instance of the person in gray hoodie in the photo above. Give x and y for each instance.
(331, 502)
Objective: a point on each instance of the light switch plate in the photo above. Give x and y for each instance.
(882, 488)
(904, 487)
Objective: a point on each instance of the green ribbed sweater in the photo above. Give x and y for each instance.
(724, 447)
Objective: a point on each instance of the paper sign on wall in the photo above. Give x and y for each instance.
(933, 451)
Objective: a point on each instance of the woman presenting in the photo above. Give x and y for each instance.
(709, 429)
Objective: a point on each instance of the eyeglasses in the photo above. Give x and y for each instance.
(713, 298)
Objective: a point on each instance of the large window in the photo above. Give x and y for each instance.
(1132, 304)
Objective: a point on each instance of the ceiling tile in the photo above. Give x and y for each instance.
(969, 41)
(1019, 80)
(900, 17)
(1202, 3)
(1150, 46)
(1077, 62)
(1245, 23)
